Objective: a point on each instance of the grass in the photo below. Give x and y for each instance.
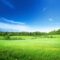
(29, 37)
(34, 49)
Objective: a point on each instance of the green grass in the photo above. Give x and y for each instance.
(38, 49)
(29, 37)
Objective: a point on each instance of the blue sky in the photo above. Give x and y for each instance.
(29, 15)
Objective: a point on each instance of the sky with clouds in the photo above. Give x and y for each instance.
(29, 15)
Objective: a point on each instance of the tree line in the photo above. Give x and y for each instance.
(29, 33)
(22, 33)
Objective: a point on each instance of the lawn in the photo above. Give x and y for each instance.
(39, 49)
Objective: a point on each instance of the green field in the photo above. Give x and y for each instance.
(31, 48)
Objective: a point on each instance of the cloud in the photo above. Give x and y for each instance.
(7, 3)
(18, 28)
(11, 21)
(13, 26)
(50, 19)
(8, 27)
(44, 9)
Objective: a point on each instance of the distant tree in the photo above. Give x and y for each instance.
(55, 32)
(6, 36)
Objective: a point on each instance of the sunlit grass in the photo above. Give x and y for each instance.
(39, 49)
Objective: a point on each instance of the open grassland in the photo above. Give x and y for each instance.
(30, 37)
(30, 49)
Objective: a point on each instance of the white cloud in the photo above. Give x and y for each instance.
(11, 21)
(23, 27)
(45, 29)
(13, 27)
(44, 9)
(7, 3)
(50, 19)
(10, 25)
(19, 28)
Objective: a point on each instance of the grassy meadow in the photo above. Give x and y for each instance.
(30, 48)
